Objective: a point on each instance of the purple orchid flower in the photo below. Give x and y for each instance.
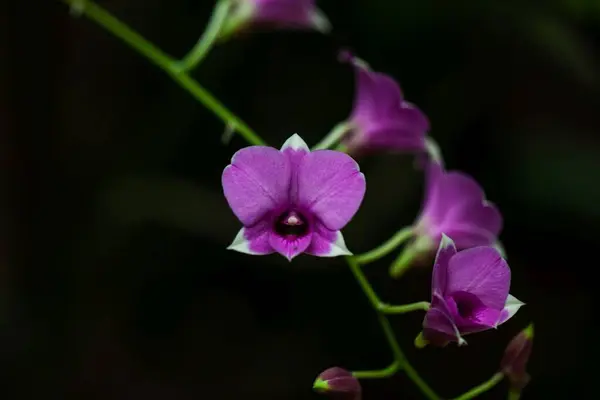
(469, 291)
(455, 204)
(380, 117)
(287, 14)
(292, 200)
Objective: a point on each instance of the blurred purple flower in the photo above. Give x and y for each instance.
(469, 293)
(381, 119)
(292, 200)
(283, 14)
(339, 381)
(455, 204)
(516, 356)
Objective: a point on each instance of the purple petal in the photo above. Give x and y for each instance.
(290, 246)
(476, 223)
(256, 181)
(330, 185)
(482, 272)
(446, 251)
(327, 243)
(470, 314)
(291, 13)
(438, 325)
(253, 240)
(448, 191)
(377, 94)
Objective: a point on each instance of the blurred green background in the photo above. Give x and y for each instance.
(114, 278)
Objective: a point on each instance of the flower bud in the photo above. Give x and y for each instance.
(515, 359)
(337, 380)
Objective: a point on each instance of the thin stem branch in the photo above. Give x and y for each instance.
(401, 236)
(405, 308)
(400, 360)
(333, 137)
(208, 38)
(484, 387)
(165, 62)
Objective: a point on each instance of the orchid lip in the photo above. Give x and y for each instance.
(291, 224)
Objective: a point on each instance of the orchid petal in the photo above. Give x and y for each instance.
(482, 272)
(445, 252)
(289, 247)
(438, 319)
(330, 185)
(376, 93)
(327, 243)
(256, 182)
(253, 240)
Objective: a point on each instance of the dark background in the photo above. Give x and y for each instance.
(114, 278)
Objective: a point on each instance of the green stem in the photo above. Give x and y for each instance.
(404, 260)
(386, 372)
(165, 62)
(401, 236)
(484, 387)
(405, 308)
(400, 360)
(208, 38)
(414, 376)
(333, 137)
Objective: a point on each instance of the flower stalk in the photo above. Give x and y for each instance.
(387, 247)
(208, 38)
(165, 62)
(482, 388)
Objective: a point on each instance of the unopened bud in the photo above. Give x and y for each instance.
(339, 381)
(516, 355)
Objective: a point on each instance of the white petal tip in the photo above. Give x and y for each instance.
(240, 244)
(321, 22)
(295, 142)
(338, 247)
(446, 241)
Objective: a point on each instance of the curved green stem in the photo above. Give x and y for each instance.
(484, 387)
(208, 38)
(405, 308)
(386, 372)
(333, 137)
(401, 236)
(400, 360)
(166, 63)
(404, 260)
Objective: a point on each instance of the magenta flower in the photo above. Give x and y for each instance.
(288, 14)
(292, 200)
(455, 205)
(380, 117)
(469, 293)
(338, 381)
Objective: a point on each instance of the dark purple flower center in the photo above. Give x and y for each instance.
(467, 304)
(291, 223)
